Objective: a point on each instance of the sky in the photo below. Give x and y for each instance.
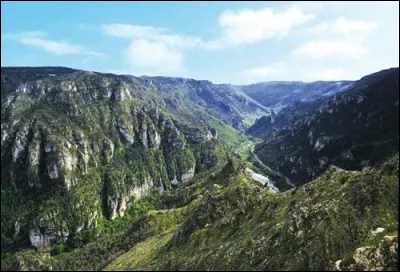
(224, 42)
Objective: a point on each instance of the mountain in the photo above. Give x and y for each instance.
(278, 94)
(116, 172)
(233, 225)
(352, 129)
(221, 100)
(344, 220)
(12, 77)
(80, 146)
(189, 99)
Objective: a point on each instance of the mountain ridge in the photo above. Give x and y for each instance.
(361, 115)
(104, 171)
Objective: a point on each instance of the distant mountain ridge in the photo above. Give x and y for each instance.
(258, 97)
(278, 94)
(220, 100)
(355, 128)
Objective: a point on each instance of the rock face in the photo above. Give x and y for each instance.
(189, 174)
(108, 150)
(198, 136)
(383, 257)
(332, 223)
(44, 232)
(20, 143)
(47, 239)
(90, 143)
(351, 129)
(123, 129)
(117, 205)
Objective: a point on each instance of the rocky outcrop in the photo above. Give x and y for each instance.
(112, 205)
(20, 142)
(138, 192)
(118, 205)
(48, 230)
(126, 132)
(383, 257)
(153, 137)
(189, 174)
(108, 150)
(198, 136)
(34, 161)
(213, 132)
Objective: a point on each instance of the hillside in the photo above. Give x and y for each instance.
(352, 129)
(81, 146)
(218, 220)
(116, 172)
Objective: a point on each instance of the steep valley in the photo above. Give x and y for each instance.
(352, 129)
(116, 172)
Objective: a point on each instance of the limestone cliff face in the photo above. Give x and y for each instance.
(92, 144)
(50, 233)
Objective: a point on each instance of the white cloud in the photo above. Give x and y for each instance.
(37, 39)
(241, 27)
(154, 55)
(159, 49)
(132, 31)
(249, 26)
(156, 34)
(330, 36)
(344, 26)
(331, 48)
(347, 38)
(153, 48)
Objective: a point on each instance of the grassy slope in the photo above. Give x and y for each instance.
(223, 221)
(308, 228)
(227, 135)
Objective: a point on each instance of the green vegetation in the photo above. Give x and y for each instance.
(227, 135)
(123, 173)
(86, 150)
(220, 218)
(235, 221)
(352, 129)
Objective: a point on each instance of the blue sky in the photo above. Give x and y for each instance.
(225, 42)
